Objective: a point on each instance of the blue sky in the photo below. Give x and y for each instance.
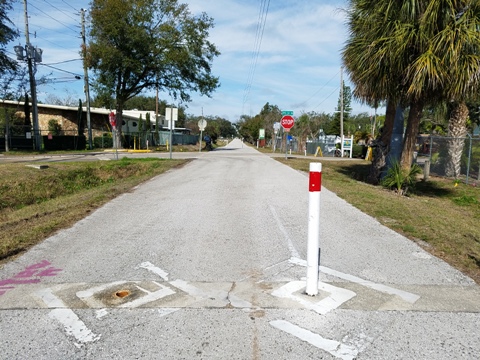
(297, 68)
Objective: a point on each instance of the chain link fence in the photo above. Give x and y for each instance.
(457, 158)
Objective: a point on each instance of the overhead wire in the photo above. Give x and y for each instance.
(46, 10)
(58, 69)
(325, 99)
(260, 29)
(51, 17)
(70, 5)
(263, 11)
(304, 103)
(56, 8)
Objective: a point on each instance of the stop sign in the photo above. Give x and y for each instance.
(111, 118)
(287, 122)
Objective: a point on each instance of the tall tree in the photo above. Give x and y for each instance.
(334, 128)
(143, 44)
(384, 40)
(269, 115)
(421, 53)
(7, 34)
(451, 65)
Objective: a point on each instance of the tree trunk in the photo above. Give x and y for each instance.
(118, 128)
(7, 130)
(389, 121)
(413, 123)
(380, 145)
(457, 130)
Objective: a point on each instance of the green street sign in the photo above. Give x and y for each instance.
(287, 112)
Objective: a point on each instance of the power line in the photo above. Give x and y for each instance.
(65, 71)
(262, 19)
(56, 8)
(304, 103)
(334, 91)
(63, 62)
(70, 5)
(51, 17)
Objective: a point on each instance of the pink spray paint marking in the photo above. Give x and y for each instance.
(30, 275)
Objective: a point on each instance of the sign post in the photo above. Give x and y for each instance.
(287, 123)
(202, 124)
(276, 127)
(113, 122)
(171, 115)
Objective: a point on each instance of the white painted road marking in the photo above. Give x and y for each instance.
(73, 325)
(70, 321)
(88, 296)
(408, 297)
(293, 252)
(149, 297)
(337, 349)
(337, 296)
(152, 268)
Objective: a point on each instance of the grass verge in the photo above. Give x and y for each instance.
(34, 203)
(440, 214)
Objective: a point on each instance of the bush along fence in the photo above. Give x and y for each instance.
(457, 158)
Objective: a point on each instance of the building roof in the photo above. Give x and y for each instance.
(128, 114)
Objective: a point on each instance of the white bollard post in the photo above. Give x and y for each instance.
(315, 186)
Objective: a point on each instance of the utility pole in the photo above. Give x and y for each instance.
(31, 52)
(156, 138)
(85, 76)
(341, 110)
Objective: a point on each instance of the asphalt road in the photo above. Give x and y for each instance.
(208, 262)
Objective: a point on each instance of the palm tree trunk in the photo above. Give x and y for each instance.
(457, 130)
(410, 139)
(381, 145)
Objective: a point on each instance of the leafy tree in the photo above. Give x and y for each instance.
(435, 119)
(7, 34)
(474, 111)
(69, 99)
(216, 126)
(249, 127)
(270, 114)
(102, 98)
(145, 44)
(141, 102)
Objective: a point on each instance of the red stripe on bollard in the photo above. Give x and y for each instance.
(315, 183)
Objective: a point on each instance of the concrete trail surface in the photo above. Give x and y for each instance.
(208, 262)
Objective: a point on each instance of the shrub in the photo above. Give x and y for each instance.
(401, 179)
(54, 127)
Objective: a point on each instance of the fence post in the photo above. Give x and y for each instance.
(426, 170)
(469, 157)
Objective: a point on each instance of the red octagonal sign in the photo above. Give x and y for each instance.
(287, 122)
(112, 119)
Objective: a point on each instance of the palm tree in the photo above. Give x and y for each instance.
(415, 52)
(452, 64)
(383, 37)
